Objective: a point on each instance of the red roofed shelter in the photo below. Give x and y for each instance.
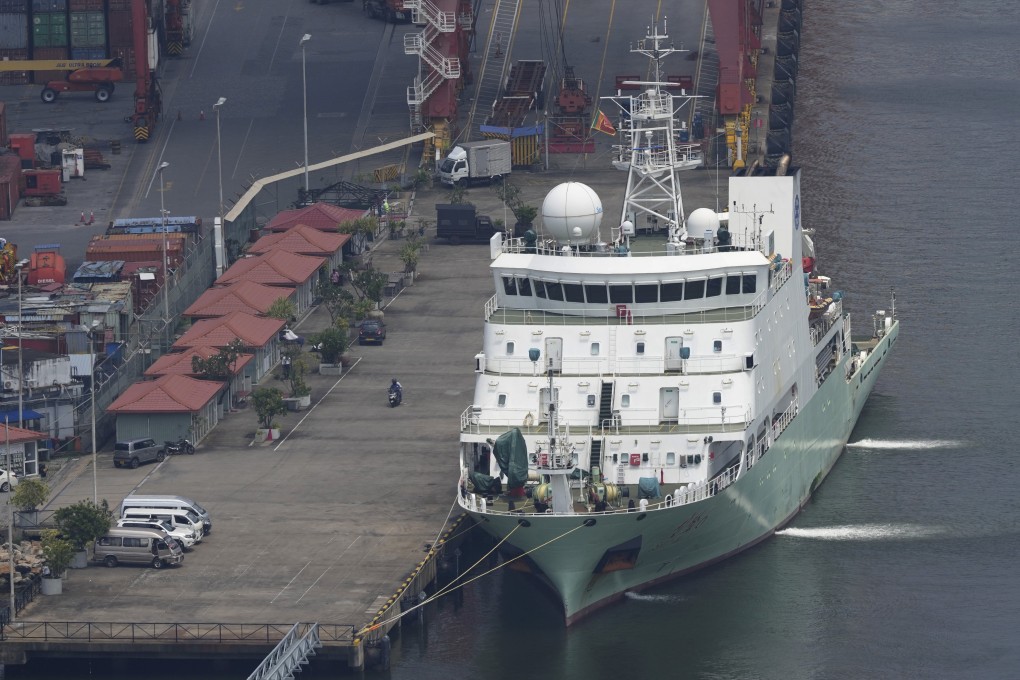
(243, 296)
(279, 268)
(168, 408)
(259, 335)
(23, 447)
(180, 363)
(304, 240)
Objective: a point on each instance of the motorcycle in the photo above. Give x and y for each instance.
(182, 445)
(395, 397)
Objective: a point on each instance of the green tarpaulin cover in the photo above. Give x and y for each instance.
(511, 453)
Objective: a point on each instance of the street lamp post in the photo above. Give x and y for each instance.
(166, 269)
(21, 366)
(219, 152)
(92, 383)
(10, 516)
(304, 91)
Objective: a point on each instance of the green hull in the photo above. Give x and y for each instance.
(646, 548)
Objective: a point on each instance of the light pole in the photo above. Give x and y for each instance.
(304, 91)
(21, 367)
(219, 152)
(166, 273)
(92, 353)
(10, 515)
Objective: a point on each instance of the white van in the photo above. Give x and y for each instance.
(184, 535)
(178, 519)
(173, 502)
(137, 546)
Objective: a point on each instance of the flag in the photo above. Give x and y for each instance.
(602, 124)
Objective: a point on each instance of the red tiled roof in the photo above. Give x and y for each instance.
(169, 394)
(243, 296)
(302, 240)
(19, 435)
(253, 331)
(321, 216)
(179, 363)
(278, 268)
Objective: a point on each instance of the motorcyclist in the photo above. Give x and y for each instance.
(396, 388)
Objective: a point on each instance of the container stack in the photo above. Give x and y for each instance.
(14, 42)
(88, 29)
(122, 47)
(49, 36)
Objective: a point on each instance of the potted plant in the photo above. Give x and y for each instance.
(30, 495)
(300, 392)
(267, 403)
(59, 553)
(332, 344)
(82, 523)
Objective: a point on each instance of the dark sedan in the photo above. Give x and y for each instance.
(371, 330)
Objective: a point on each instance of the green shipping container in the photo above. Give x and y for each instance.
(88, 29)
(49, 30)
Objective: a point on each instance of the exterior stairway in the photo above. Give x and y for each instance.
(493, 70)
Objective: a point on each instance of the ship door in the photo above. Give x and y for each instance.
(669, 403)
(674, 350)
(554, 354)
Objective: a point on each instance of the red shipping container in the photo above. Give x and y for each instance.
(42, 182)
(119, 26)
(105, 251)
(127, 61)
(48, 54)
(85, 5)
(23, 144)
(10, 178)
(146, 279)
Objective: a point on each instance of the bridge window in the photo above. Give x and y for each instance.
(596, 293)
(733, 283)
(750, 283)
(523, 286)
(572, 292)
(539, 288)
(714, 287)
(694, 290)
(509, 285)
(554, 289)
(621, 294)
(672, 291)
(646, 292)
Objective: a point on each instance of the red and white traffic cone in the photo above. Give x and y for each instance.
(82, 217)
(92, 217)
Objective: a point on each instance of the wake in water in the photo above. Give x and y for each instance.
(864, 532)
(906, 444)
(667, 599)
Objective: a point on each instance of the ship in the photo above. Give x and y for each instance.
(644, 408)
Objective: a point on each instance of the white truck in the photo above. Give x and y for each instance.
(470, 162)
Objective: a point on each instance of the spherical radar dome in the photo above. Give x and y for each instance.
(702, 220)
(571, 213)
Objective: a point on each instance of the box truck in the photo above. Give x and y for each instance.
(470, 162)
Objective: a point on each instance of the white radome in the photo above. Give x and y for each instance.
(571, 213)
(702, 220)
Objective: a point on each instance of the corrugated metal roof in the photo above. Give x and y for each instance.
(273, 269)
(253, 331)
(318, 216)
(179, 363)
(302, 240)
(243, 296)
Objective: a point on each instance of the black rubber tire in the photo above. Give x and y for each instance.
(48, 95)
(6, 486)
(110, 561)
(103, 94)
(134, 463)
(157, 563)
(190, 450)
(160, 456)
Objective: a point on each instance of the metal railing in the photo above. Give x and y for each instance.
(290, 654)
(85, 631)
(22, 597)
(607, 366)
(687, 420)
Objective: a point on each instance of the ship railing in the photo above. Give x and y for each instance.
(583, 423)
(605, 366)
(821, 326)
(694, 419)
(780, 276)
(693, 246)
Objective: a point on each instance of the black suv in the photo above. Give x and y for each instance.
(371, 330)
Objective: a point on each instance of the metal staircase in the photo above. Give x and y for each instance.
(606, 402)
(437, 66)
(595, 459)
(493, 71)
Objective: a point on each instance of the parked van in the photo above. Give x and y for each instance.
(134, 452)
(178, 519)
(173, 502)
(137, 546)
(183, 535)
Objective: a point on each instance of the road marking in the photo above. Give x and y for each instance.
(205, 37)
(240, 153)
(290, 582)
(338, 558)
(315, 405)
